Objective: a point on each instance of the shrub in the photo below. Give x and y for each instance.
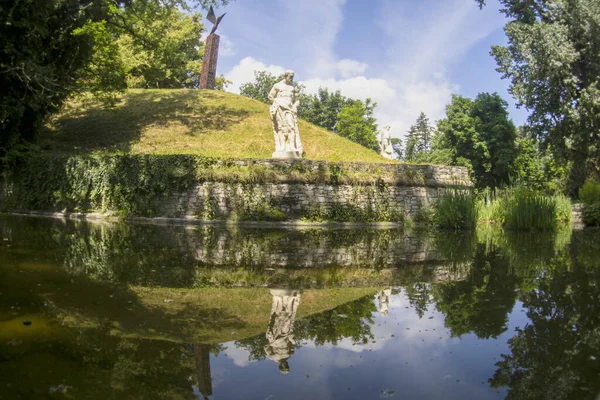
(456, 209)
(589, 194)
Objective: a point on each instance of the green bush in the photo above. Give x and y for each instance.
(589, 194)
(522, 208)
(456, 209)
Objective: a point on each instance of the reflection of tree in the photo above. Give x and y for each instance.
(481, 303)
(352, 320)
(419, 296)
(555, 356)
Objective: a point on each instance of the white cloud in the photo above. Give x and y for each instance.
(226, 47)
(244, 72)
(350, 68)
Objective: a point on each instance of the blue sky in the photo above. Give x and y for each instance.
(408, 55)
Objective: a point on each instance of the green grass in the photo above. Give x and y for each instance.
(456, 209)
(522, 208)
(182, 121)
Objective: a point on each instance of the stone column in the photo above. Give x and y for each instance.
(209, 62)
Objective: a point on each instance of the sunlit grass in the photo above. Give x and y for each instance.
(198, 122)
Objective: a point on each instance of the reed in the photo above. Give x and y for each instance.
(456, 209)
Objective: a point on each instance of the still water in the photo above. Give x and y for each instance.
(122, 311)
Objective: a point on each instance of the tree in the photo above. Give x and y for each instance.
(479, 134)
(418, 140)
(553, 63)
(397, 147)
(323, 108)
(53, 48)
(39, 58)
(260, 88)
(357, 123)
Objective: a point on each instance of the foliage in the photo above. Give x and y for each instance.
(158, 45)
(554, 355)
(553, 64)
(480, 133)
(589, 194)
(418, 139)
(260, 88)
(456, 209)
(323, 108)
(481, 303)
(357, 123)
(39, 59)
(523, 208)
(528, 167)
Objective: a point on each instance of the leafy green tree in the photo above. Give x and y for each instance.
(357, 123)
(419, 138)
(158, 45)
(39, 58)
(260, 88)
(479, 134)
(323, 108)
(553, 63)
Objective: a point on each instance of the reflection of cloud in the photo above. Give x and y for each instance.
(240, 357)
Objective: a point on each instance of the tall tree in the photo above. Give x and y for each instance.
(323, 108)
(553, 63)
(480, 135)
(357, 123)
(419, 138)
(261, 86)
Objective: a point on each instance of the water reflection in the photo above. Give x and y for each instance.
(147, 312)
(280, 332)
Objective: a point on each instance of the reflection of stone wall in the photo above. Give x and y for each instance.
(320, 248)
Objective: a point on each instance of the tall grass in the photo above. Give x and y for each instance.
(456, 209)
(522, 208)
(589, 194)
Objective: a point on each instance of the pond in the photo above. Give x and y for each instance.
(126, 311)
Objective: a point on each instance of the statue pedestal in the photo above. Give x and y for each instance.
(287, 155)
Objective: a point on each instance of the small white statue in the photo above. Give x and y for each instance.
(284, 115)
(385, 143)
(280, 331)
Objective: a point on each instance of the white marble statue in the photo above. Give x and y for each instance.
(385, 143)
(284, 109)
(384, 301)
(280, 331)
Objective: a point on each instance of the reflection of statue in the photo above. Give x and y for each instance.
(385, 143)
(384, 301)
(279, 333)
(284, 108)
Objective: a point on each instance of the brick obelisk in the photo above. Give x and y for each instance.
(211, 53)
(209, 63)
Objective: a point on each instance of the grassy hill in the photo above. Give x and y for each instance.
(201, 122)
